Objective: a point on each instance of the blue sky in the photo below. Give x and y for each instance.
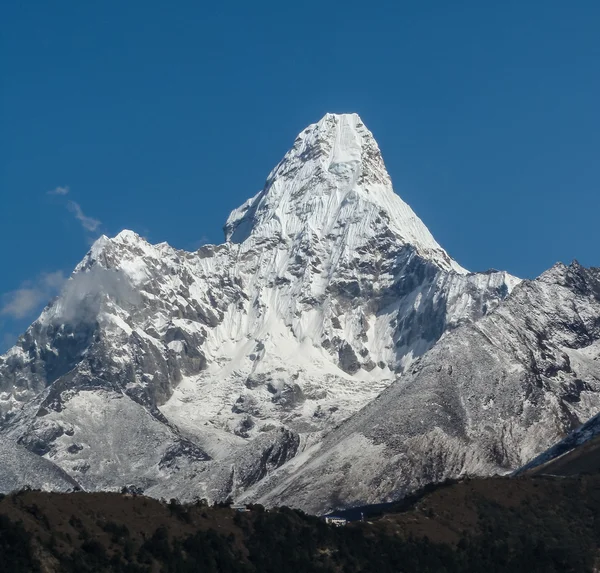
(163, 117)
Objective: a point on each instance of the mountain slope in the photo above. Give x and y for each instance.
(485, 399)
(201, 373)
(578, 453)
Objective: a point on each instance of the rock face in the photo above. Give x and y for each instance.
(223, 371)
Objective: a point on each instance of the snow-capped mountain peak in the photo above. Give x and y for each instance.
(333, 184)
(326, 290)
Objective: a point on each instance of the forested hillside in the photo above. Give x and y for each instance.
(498, 524)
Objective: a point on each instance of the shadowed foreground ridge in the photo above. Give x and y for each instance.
(497, 524)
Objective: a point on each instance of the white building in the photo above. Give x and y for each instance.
(334, 520)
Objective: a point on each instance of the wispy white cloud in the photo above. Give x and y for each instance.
(21, 302)
(32, 294)
(82, 296)
(203, 240)
(88, 223)
(53, 281)
(59, 190)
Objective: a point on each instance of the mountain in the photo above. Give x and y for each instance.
(486, 399)
(319, 324)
